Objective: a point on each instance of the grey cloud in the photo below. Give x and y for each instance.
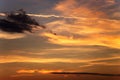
(18, 22)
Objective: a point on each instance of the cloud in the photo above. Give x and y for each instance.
(32, 69)
(44, 59)
(83, 54)
(47, 16)
(73, 7)
(92, 25)
(42, 71)
(7, 59)
(92, 39)
(88, 8)
(2, 14)
(25, 71)
(4, 35)
(18, 22)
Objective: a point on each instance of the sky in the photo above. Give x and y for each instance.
(80, 36)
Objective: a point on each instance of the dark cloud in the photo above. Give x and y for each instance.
(18, 22)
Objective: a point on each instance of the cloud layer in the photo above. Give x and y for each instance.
(81, 35)
(92, 24)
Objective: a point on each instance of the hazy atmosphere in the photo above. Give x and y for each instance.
(60, 36)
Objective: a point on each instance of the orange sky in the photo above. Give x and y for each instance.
(81, 36)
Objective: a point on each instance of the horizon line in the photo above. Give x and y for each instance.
(85, 73)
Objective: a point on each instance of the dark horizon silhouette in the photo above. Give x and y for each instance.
(85, 73)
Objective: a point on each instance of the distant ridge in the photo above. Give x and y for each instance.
(85, 73)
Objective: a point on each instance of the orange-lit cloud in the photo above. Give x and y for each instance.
(91, 27)
(71, 8)
(86, 37)
(26, 71)
(42, 71)
(7, 59)
(93, 39)
(2, 14)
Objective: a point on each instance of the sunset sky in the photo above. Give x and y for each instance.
(80, 36)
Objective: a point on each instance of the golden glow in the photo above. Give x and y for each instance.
(51, 60)
(90, 27)
(25, 71)
(43, 71)
(93, 39)
(79, 36)
(64, 40)
(7, 59)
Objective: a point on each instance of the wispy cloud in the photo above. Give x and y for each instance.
(92, 25)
